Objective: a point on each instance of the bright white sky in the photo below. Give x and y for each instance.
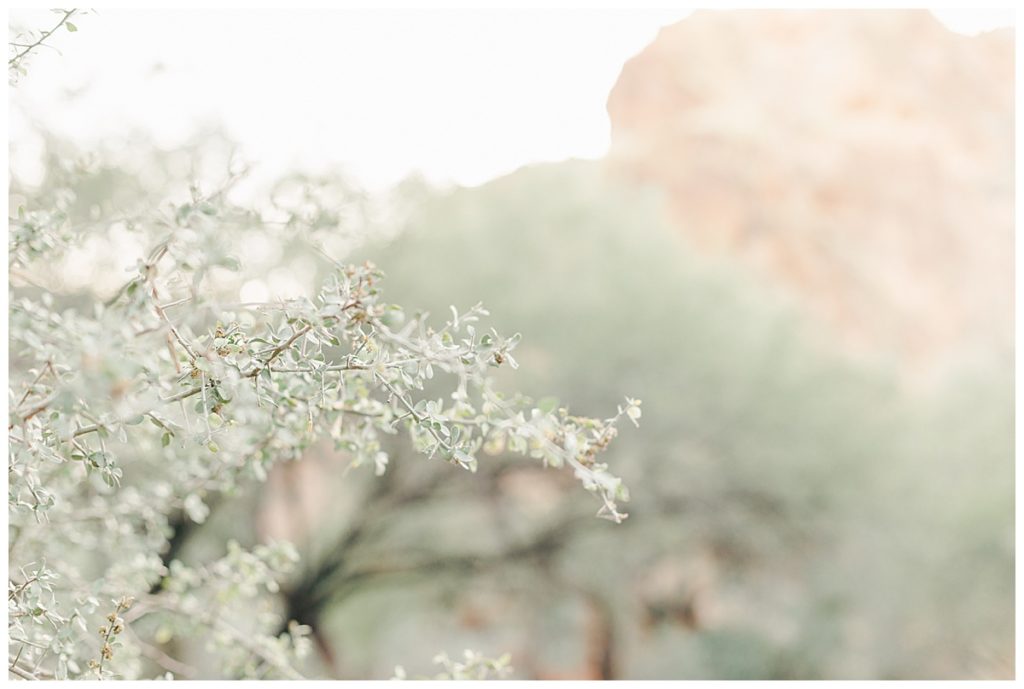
(460, 96)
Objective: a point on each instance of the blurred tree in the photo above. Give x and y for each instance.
(786, 498)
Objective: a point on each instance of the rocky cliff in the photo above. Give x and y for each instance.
(860, 160)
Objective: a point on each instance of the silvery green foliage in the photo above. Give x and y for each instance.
(474, 666)
(129, 409)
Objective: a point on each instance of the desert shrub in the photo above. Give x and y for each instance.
(137, 399)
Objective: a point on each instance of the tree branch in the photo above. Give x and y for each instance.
(14, 61)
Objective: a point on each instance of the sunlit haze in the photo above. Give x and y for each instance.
(457, 96)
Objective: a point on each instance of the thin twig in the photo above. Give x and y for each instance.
(15, 669)
(185, 394)
(160, 658)
(415, 415)
(255, 371)
(174, 331)
(13, 62)
(22, 587)
(46, 367)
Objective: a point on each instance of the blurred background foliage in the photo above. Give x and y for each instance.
(794, 513)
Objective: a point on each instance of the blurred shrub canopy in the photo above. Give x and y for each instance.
(833, 523)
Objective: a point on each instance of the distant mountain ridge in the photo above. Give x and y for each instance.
(862, 160)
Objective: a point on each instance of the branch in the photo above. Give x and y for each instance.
(277, 351)
(47, 367)
(412, 412)
(13, 62)
(21, 672)
(41, 407)
(154, 603)
(160, 658)
(183, 395)
(174, 331)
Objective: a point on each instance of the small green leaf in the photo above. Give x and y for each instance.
(71, 27)
(466, 461)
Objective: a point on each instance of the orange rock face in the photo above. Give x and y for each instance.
(862, 160)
